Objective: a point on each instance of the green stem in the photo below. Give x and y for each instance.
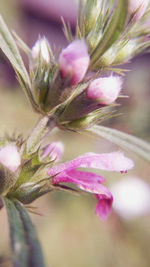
(39, 132)
(24, 242)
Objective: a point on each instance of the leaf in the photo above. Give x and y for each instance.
(126, 141)
(112, 31)
(22, 44)
(24, 242)
(9, 48)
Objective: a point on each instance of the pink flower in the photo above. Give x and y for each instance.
(74, 61)
(105, 90)
(89, 181)
(9, 157)
(138, 6)
(53, 151)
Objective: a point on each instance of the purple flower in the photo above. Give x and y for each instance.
(105, 90)
(74, 61)
(10, 157)
(89, 181)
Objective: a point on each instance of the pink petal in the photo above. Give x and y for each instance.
(115, 161)
(104, 205)
(87, 181)
(91, 183)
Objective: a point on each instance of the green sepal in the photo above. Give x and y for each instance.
(9, 48)
(7, 179)
(28, 169)
(112, 31)
(91, 13)
(30, 191)
(38, 133)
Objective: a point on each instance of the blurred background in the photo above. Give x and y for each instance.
(70, 232)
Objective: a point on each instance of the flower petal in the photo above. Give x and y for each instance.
(91, 183)
(104, 205)
(87, 181)
(115, 161)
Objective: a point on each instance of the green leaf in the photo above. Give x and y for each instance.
(22, 44)
(112, 31)
(126, 141)
(9, 48)
(24, 242)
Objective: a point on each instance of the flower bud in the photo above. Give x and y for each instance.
(138, 7)
(41, 49)
(53, 151)
(74, 61)
(9, 157)
(105, 90)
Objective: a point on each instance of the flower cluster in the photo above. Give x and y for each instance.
(73, 89)
(69, 94)
(72, 86)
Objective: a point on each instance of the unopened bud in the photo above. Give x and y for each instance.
(41, 49)
(74, 61)
(105, 90)
(9, 157)
(138, 7)
(53, 151)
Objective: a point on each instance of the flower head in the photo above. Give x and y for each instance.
(89, 181)
(105, 90)
(74, 61)
(9, 157)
